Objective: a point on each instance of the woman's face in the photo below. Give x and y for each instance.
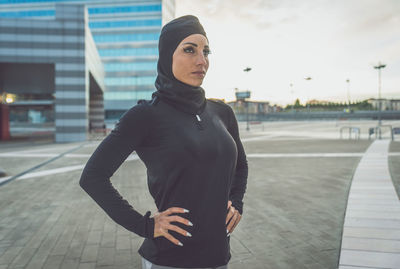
(190, 60)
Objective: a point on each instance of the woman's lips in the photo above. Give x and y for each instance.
(200, 74)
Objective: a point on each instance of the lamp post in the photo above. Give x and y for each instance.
(379, 67)
(291, 92)
(308, 97)
(247, 69)
(348, 94)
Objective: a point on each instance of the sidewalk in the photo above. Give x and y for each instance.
(371, 234)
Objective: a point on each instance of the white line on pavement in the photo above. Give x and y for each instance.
(302, 155)
(59, 170)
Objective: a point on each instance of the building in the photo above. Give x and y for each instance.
(387, 104)
(253, 107)
(112, 47)
(50, 71)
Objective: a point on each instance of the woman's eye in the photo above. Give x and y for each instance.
(188, 50)
(206, 52)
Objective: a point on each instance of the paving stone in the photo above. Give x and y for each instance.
(90, 253)
(369, 244)
(94, 237)
(123, 257)
(370, 259)
(106, 256)
(53, 262)
(123, 242)
(87, 265)
(23, 257)
(64, 241)
(108, 239)
(72, 263)
(10, 254)
(377, 233)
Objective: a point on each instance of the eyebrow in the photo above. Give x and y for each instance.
(194, 44)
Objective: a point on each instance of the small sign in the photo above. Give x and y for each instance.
(242, 95)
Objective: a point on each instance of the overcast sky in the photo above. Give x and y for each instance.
(284, 41)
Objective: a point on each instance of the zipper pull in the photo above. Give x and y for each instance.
(199, 124)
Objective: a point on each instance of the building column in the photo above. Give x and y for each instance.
(72, 78)
(96, 110)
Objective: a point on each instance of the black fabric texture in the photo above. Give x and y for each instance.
(199, 169)
(182, 96)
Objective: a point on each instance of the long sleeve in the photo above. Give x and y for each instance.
(239, 184)
(128, 134)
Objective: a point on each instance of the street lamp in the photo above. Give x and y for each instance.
(348, 94)
(291, 92)
(379, 67)
(308, 97)
(247, 69)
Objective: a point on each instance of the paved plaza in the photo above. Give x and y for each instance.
(300, 176)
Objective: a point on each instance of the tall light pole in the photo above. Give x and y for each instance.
(379, 67)
(308, 97)
(348, 94)
(291, 91)
(247, 69)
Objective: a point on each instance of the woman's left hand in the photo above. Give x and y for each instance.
(232, 218)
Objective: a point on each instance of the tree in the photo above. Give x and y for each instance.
(297, 103)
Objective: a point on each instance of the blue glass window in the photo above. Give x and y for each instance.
(128, 52)
(32, 1)
(127, 95)
(134, 23)
(126, 37)
(27, 13)
(138, 66)
(129, 81)
(120, 9)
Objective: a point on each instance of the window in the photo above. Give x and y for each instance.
(126, 37)
(128, 52)
(128, 95)
(137, 66)
(120, 9)
(32, 1)
(130, 81)
(133, 23)
(27, 13)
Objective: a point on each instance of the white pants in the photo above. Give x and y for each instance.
(148, 265)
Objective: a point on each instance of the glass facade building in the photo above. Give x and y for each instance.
(126, 35)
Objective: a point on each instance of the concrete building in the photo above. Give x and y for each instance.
(54, 63)
(387, 104)
(254, 107)
(72, 60)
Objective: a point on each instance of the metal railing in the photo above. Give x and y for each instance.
(355, 130)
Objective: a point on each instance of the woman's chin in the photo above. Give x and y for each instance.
(193, 83)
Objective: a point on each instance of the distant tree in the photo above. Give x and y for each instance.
(297, 103)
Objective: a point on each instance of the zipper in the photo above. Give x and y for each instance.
(199, 123)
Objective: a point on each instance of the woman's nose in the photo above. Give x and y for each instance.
(201, 59)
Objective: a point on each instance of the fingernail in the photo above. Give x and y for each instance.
(227, 231)
(180, 244)
(228, 235)
(191, 224)
(188, 234)
(185, 211)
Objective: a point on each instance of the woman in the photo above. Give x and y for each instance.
(196, 165)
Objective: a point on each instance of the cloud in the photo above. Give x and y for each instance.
(258, 13)
(285, 40)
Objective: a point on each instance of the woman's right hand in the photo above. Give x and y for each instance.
(162, 223)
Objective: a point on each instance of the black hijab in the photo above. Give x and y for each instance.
(182, 96)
